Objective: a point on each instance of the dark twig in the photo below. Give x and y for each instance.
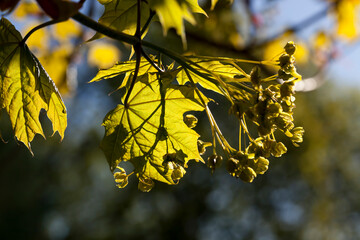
(45, 24)
(137, 48)
(152, 14)
(151, 61)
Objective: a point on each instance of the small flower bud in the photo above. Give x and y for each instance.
(283, 75)
(290, 48)
(231, 165)
(214, 161)
(247, 175)
(285, 60)
(287, 89)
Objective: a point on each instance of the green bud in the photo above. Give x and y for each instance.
(214, 161)
(290, 48)
(232, 165)
(247, 174)
(190, 120)
(285, 60)
(283, 75)
(145, 184)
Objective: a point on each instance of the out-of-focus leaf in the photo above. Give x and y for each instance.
(60, 9)
(150, 131)
(273, 49)
(8, 5)
(64, 31)
(27, 8)
(213, 4)
(121, 15)
(103, 55)
(26, 88)
(38, 42)
(56, 63)
(347, 18)
(172, 12)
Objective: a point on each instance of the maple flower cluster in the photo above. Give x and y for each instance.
(270, 109)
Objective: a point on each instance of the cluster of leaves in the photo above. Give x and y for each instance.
(150, 128)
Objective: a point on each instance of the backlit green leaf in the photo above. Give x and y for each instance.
(213, 3)
(172, 12)
(214, 70)
(26, 88)
(127, 68)
(150, 132)
(121, 15)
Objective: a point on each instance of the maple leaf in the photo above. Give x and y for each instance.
(213, 74)
(26, 88)
(127, 68)
(121, 15)
(172, 12)
(150, 132)
(213, 4)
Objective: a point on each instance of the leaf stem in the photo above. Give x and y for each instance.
(151, 61)
(148, 21)
(89, 22)
(137, 48)
(211, 118)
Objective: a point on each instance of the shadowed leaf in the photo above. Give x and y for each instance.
(26, 88)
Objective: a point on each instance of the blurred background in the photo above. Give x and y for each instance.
(66, 191)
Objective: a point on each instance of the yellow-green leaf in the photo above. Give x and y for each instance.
(214, 70)
(213, 3)
(26, 88)
(127, 68)
(172, 12)
(121, 15)
(150, 132)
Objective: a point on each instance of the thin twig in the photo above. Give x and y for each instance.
(151, 61)
(45, 24)
(148, 21)
(137, 48)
